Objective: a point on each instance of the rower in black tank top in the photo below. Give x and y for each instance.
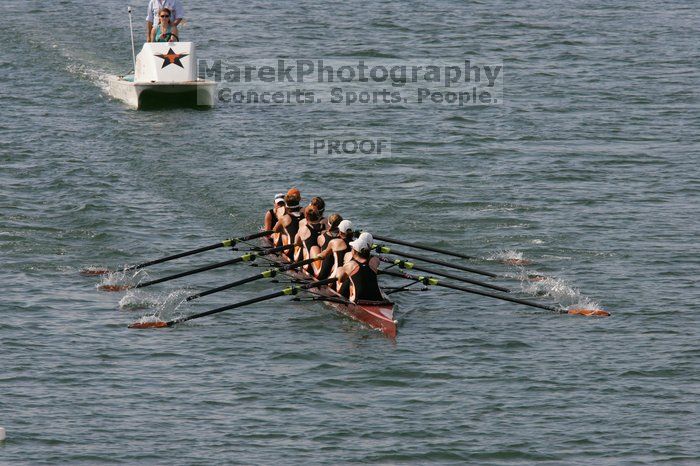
(328, 236)
(291, 231)
(365, 282)
(337, 259)
(312, 240)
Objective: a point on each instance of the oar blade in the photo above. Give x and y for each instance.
(588, 312)
(149, 324)
(112, 288)
(91, 271)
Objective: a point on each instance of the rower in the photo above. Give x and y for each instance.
(321, 206)
(333, 255)
(306, 240)
(271, 214)
(358, 277)
(289, 217)
(332, 230)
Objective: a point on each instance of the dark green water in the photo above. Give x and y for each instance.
(588, 168)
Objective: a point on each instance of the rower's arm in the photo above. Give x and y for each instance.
(149, 33)
(325, 252)
(279, 226)
(268, 221)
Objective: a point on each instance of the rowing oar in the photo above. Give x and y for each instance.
(387, 250)
(270, 273)
(292, 290)
(249, 257)
(436, 282)
(221, 244)
(425, 248)
(411, 266)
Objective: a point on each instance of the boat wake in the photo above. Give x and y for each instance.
(99, 78)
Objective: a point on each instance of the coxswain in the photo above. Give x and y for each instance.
(306, 241)
(271, 214)
(358, 276)
(288, 224)
(333, 256)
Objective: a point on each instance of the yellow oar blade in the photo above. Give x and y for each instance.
(152, 324)
(588, 312)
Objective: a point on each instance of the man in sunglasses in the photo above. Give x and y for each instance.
(154, 6)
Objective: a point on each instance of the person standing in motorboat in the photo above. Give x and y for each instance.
(154, 7)
(166, 31)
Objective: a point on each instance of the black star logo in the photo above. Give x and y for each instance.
(171, 58)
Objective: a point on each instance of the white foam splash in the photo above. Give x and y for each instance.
(506, 255)
(148, 318)
(165, 302)
(122, 278)
(558, 290)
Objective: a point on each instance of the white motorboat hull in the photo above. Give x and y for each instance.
(198, 93)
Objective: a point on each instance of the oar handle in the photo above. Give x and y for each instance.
(421, 246)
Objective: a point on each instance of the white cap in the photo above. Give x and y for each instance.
(360, 243)
(279, 197)
(345, 225)
(367, 238)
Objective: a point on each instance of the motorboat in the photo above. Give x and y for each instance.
(165, 74)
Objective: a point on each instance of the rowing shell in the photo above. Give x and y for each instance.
(378, 315)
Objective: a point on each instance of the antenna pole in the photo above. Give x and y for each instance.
(133, 50)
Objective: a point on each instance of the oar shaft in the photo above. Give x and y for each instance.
(389, 250)
(411, 266)
(174, 256)
(286, 292)
(420, 246)
(230, 306)
(246, 257)
(220, 244)
(260, 276)
(435, 282)
(266, 274)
